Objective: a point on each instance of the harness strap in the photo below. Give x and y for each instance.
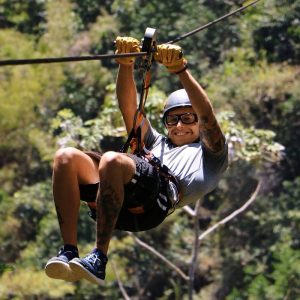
(134, 139)
(175, 192)
(169, 196)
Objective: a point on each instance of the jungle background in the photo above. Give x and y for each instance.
(249, 66)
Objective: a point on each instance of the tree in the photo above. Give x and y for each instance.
(253, 83)
(25, 16)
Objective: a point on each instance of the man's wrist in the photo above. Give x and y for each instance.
(182, 70)
(126, 67)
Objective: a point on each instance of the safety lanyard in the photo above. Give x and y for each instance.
(134, 140)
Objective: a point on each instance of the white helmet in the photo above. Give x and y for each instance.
(178, 98)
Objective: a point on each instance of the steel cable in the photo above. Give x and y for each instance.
(211, 23)
(13, 62)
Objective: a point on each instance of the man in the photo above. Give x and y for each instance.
(137, 192)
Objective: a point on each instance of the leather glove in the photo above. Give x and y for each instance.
(126, 45)
(171, 57)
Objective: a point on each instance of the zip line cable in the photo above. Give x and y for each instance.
(211, 23)
(50, 60)
(14, 62)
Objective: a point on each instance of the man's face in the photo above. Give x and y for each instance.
(181, 133)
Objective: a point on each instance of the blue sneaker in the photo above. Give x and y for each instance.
(91, 267)
(58, 267)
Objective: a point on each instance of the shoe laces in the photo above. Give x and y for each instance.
(93, 259)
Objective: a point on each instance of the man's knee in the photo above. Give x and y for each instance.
(112, 162)
(65, 156)
(111, 159)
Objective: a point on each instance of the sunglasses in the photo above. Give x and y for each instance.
(187, 118)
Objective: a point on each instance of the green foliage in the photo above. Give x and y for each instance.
(278, 33)
(27, 95)
(254, 91)
(249, 67)
(72, 131)
(5, 267)
(85, 89)
(154, 107)
(20, 91)
(89, 10)
(272, 266)
(250, 144)
(26, 16)
(28, 283)
(21, 218)
(278, 284)
(184, 16)
(69, 127)
(60, 27)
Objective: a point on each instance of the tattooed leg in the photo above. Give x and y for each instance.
(115, 170)
(108, 208)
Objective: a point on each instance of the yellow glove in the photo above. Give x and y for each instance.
(171, 57)
(126, 45)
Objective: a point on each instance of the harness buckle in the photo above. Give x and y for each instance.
(173, 193)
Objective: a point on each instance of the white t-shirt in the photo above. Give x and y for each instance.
(197, 169)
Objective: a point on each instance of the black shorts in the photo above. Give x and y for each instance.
(145, 204)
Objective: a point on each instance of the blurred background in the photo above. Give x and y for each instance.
(249, 66)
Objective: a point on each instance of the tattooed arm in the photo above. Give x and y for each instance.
(210, 131)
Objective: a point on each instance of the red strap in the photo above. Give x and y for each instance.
(136, 210)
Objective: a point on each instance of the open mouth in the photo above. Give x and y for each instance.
(181, 133)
